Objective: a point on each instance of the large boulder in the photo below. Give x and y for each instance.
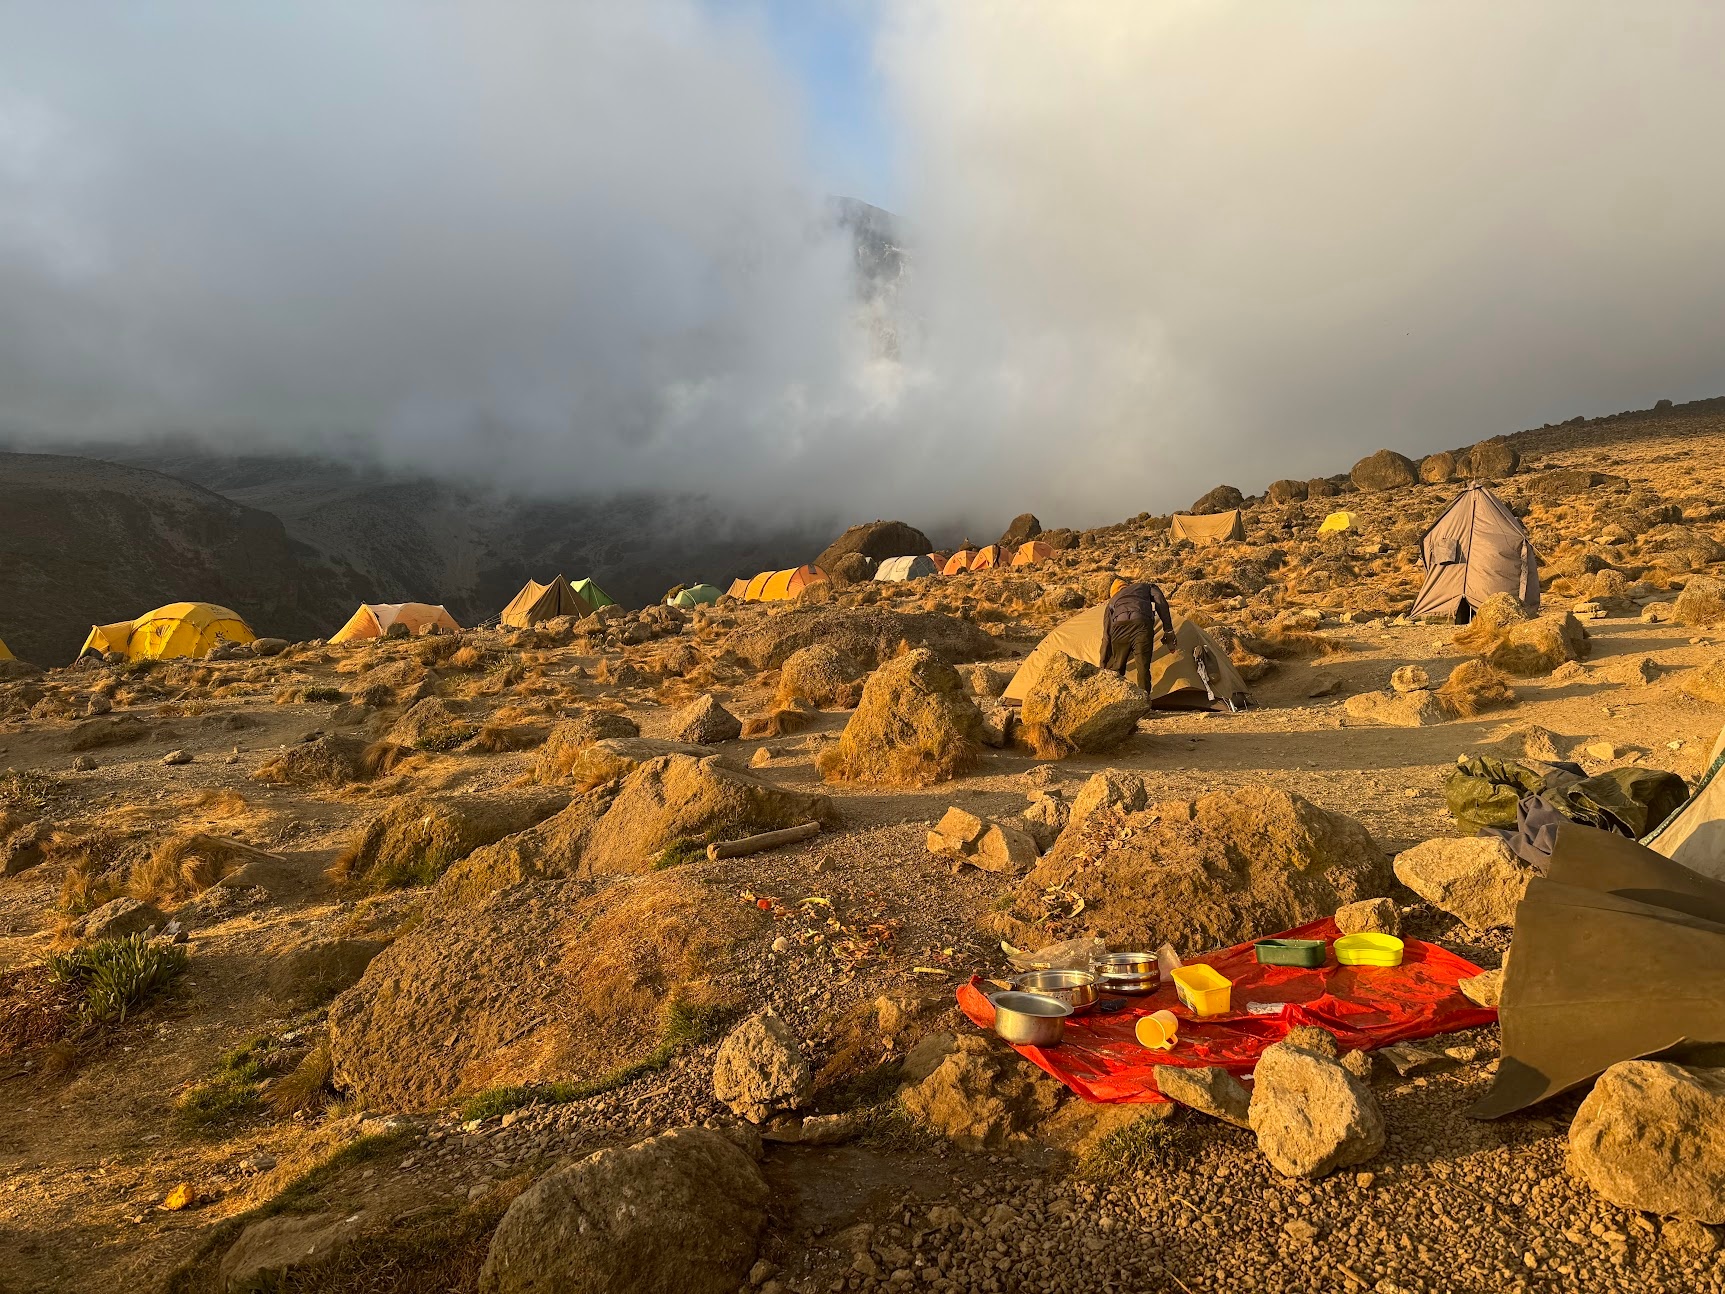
(545, 981)
(1565, 481)
(822, 676)
(978, 1094)
(1219, 870)
(679, 798)
(116, 919)
(1706, 683)
(1384, 470)
(868, 635)
(680, 1213)
(1311, 1115)
(548, 849)
(615, 758)
(1651, 1136)
(416, 840)
(1287, 491)
(433, 724)
(1701, 603)
(269, 1251)
(1394, 709)
(574, 734)
(1539, 646)
(761, 1070)
(1491, 459)
(877, 541)
(1435, 469)
(914, 726)
(1474, 878)
(1224, 498)
(1024, 528)
(1082, 708)
(852, 568)
(704, 722)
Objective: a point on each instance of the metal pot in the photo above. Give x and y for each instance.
(1030, 1019)
(1125, 965)
(1076, 988)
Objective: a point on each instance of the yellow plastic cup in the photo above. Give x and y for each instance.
(1156, 1030)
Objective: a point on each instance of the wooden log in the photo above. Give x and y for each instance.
(766, 840)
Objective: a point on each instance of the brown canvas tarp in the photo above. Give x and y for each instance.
(1695, 834)
(1174, 680)
(1618, 953)
(1208, 528)
(1477, 548)
(538, 602)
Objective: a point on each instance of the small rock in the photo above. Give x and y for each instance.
(1369, 916)
(1688, 1236)
(1483, 989)
(760, 1069)
(1603, 751)
(1651, 1136)
(705, 722)
(174, 757)
(1209, 1089)
(1409, 1059)
(84, 764)
(1410, 678)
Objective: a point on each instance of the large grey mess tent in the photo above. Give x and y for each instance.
(1477, 548)
(906, 568)
(1175, 681)
(1618, 954)
(1209, 527)
(1695, 835)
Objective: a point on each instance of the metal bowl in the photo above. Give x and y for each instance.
(1076, 988)
(1126, 964)
(1129, 984)
(1030, 1019)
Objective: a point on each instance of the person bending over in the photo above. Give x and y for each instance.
(1127, 626)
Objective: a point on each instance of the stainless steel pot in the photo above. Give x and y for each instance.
(1030, 1019)
(1125, 965)
(1076, 988)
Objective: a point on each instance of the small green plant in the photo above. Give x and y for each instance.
(685, 1025)
(1141, 1146)
(685, 850)
(117, 975)
(230, 1094)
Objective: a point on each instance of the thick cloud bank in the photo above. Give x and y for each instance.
(586, 246)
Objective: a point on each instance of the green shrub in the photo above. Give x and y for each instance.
(117, 975)
(230, 1094)
(685, 1025)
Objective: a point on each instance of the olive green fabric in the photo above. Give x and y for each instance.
(1483, 792)
(1618, 953)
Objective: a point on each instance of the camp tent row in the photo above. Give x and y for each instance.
(776, 586)
(983, 559)
(1477, 548)
(376, 619)
(559, 598)
(1175, 680)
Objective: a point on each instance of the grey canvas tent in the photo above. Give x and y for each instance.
(1695, 834)
(906, 568)
(1477, 548)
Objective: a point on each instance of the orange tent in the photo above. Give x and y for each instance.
(777, 586)
(373, 620)
(939, 560)
(1031, 552)
(958, 562)
(988, 558)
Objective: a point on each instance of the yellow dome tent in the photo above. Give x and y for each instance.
(373, 620)
(1336, 523)
(176, 631)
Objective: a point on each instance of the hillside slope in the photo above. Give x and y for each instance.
(84, 542)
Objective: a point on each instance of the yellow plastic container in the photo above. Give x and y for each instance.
(1369, 950)
(1157, 1030)
(1203, 989)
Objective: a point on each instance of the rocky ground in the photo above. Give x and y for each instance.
(455, 961)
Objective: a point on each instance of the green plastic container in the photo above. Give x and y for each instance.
(1290, 952)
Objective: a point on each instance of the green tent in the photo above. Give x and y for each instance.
(693, 596)
(594, 596)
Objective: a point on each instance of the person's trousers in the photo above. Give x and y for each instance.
(1131, 644)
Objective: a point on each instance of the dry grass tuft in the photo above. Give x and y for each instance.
(1043, 742)
(779, 723)
(466, 658)
(307, 1088)
(500, 738)
(1473, 688)
(1285, 640)
(186, 865)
